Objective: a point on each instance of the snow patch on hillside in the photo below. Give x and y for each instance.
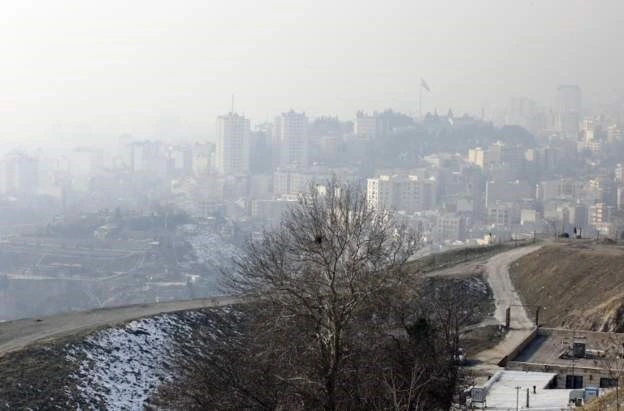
(120, 368)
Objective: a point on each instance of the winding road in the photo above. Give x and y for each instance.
(505, 295)
(15, 335)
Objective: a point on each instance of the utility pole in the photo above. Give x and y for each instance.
(518, 397)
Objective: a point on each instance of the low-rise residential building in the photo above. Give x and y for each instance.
(401, 192)
(450, 227)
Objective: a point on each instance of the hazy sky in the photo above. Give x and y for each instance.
(97, 68)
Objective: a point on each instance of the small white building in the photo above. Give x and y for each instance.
(523, 390)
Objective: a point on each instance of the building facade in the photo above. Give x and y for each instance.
(290, 137)
(232, 156)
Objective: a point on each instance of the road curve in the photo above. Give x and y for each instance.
(505, 295)
(15, 335)
(497, 276)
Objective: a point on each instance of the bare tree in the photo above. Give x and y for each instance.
(332, 257)
(335, 319)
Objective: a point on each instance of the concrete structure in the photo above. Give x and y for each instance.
(510, 390)
(579, 358)
(232, 156)
(290, 137)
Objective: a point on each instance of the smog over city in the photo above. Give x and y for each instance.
(329, 205)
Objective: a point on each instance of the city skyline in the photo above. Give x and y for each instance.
(91, 71)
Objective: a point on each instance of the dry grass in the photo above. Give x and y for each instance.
(580, 284)
(606, 402)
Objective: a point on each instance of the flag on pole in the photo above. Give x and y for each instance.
(424, 84)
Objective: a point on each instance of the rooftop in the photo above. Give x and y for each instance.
(504, 391)
(554, 347)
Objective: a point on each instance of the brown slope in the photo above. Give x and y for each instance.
(581, 285)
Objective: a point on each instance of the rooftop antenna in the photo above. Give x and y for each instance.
(232, 111)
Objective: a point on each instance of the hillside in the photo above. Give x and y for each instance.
(111, 368)
(124, 366)
(581, 284)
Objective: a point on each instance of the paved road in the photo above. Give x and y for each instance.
(497, 276)
(15, 335)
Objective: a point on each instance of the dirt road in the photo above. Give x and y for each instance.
(497, 276)
(15, 335)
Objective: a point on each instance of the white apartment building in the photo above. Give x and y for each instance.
(290, 135)
(400, 192)
(232, 144)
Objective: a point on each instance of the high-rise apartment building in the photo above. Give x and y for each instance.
(290, 137)
(232, 156)
(569, 110)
